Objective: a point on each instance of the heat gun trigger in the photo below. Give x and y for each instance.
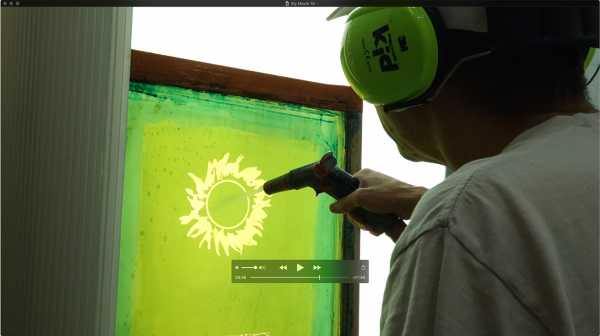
(324, 186)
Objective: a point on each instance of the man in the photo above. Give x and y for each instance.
(507, 244)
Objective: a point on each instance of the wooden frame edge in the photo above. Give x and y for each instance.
(351, 234)
(166, 70)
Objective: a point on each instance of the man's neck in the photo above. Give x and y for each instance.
(477, 135)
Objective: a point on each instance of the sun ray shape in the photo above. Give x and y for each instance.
(205, 228)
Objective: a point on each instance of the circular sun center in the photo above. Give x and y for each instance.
(227, 204)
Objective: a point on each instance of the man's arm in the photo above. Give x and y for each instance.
(436, 287)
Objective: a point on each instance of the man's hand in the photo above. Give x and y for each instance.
(382, 194)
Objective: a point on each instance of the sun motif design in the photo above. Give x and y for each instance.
(228, 206)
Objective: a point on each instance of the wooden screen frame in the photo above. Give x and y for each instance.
(172, 71)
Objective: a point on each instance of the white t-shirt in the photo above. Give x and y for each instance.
(505, 245)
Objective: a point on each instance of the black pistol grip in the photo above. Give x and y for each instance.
(384, 222)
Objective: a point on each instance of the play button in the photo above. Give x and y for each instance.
(299, 267)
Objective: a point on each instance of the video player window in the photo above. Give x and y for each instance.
(193, 202)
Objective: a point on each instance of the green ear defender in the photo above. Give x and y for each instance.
(399, 57)
(389, 54)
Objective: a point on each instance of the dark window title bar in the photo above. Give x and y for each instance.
(294, 3)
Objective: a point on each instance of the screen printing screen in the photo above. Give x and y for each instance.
(193, 202)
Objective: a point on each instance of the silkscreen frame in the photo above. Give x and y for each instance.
(164, 70)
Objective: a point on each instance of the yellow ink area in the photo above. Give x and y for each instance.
(227, 206)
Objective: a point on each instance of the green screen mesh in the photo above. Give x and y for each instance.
(195, 164)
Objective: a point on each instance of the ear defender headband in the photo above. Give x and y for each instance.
(399, 57)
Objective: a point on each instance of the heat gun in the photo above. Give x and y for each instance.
(325, 176)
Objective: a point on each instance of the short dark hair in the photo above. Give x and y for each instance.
(533, 76)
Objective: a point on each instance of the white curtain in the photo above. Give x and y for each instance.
(65, 75)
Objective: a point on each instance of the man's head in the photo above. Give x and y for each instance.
(518, 67)
(509, 89)
(512, 79)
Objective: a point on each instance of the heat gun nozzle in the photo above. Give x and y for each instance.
(278, 184)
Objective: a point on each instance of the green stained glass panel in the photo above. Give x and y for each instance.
(193, 201)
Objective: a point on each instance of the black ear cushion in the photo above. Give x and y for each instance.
(453, 46)
(449, 54)
(444, 62)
